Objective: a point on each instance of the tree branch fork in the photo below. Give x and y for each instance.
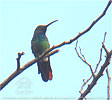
(100, 73)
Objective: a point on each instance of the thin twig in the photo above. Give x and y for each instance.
(108, 87)
(105, 49)
(99, 60)
(85, 82)
(82, 57)
(101, 52)
(18, 59)
(82, 54)
(104, 37)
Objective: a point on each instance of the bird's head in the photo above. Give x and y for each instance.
(43, 28)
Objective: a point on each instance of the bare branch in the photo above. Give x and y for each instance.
(101, 52)
(83, 32)
(104, 37)
(100, 73)
(21, 69)
(98, 62)
(108, 87)
(85, 82)
(52, 53)
(105, 49)
(84, 97)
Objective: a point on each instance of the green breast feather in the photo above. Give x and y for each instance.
(40, 45)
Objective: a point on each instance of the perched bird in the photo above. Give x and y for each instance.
(39, 44)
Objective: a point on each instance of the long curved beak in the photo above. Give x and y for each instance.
(51, 23)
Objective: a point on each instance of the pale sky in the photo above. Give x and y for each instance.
(19, 18)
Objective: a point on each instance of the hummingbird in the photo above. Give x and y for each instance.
(39, 44)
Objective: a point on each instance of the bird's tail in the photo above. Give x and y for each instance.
(45, 69)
